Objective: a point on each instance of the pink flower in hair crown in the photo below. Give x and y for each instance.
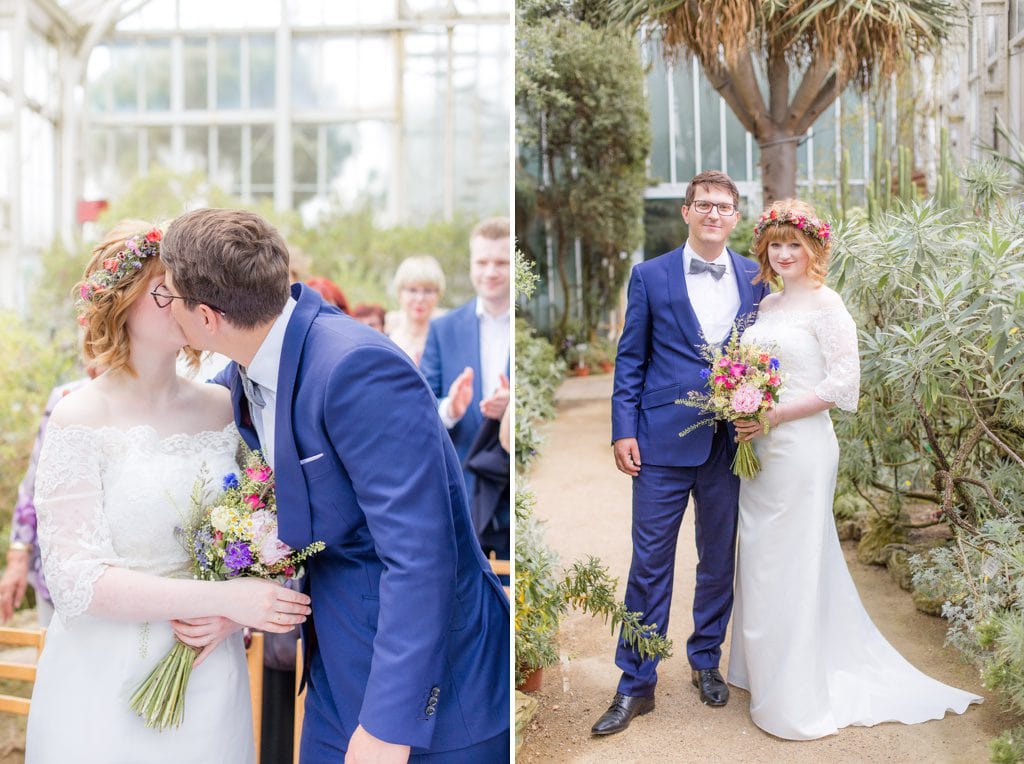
(811, 226)
(117, 267)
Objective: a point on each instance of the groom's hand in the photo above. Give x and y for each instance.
(364, 748)
(627, 456)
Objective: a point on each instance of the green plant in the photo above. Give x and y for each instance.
(584, 134)
(544, 594)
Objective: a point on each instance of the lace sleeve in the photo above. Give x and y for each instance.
(74, 536)
(837, 335)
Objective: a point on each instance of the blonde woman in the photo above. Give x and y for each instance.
(419, 286)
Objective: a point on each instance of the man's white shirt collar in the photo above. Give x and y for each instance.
(265, 364)
(481, 313)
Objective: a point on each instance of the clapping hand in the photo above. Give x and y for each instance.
(460, 394)
(494, 407)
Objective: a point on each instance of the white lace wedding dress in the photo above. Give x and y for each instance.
(107, 497)
(802, 643)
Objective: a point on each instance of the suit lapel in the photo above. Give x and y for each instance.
(294, 521)
(743, 284)
(679, 297)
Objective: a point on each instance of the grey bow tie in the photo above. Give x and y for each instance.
(252, 390)
(717, 270)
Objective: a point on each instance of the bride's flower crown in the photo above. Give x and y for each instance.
(816, 229)
(116, 267)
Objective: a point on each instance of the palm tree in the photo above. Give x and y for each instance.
(820, 46)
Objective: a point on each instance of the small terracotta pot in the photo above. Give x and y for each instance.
(607, 366)
(581, 371)
(533, 681)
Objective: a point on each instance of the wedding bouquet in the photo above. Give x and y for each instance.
(229, 535)
(743, 383)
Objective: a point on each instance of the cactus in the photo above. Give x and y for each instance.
(844, 179)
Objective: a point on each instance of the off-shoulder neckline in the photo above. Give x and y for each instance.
(146, 429)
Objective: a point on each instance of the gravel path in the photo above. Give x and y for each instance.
(586, 505)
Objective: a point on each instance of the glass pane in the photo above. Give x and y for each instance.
(376, 75)
(359, 163)
(158, 75)
(304, 67)
(825, 145)
(425, 90)
(657, 90)
(229, 83)
(228, 173)
(5, 54)
(197, 149)
(229, 14)
(155, 14)
(304, 154)
(735, 147)
(126, 154)
(195, 73)
(262, 153)
(123, 73)
(160, 147)
(685, 138)
(710, 127)
(338, 73)
(664, 229)
(262, 67)
(482, 69)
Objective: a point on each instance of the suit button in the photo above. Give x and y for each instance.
(430, 710)
(435, 692)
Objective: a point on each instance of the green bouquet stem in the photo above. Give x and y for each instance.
(160, 699)
(745, 464)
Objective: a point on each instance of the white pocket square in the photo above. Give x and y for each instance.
(309, 459)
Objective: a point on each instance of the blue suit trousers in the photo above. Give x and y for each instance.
(660, 496)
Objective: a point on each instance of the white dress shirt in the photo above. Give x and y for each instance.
(263, 370)
(494, 357)
(715, 302)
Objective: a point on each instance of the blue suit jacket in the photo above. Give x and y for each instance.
(659, 360)
(405, 607)
(453, 343)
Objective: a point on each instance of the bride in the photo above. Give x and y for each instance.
(115, 472)
(802, 643)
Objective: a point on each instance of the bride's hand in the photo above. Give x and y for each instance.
(205, 633)
(748, 429)
(264, 605)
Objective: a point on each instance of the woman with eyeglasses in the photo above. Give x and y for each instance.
(419, 285)
(116, 470)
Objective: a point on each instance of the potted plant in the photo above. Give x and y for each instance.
(543, 594)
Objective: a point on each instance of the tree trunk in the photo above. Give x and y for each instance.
(778, 167)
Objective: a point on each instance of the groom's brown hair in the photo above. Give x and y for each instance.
(232, 259)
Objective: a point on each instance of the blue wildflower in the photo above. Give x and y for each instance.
(237, 556)
(705, 373)
(774, 363)
(230, 481)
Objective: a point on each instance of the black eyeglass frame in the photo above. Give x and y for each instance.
(717, 207)
(157, 296)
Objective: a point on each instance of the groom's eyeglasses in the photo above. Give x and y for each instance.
(725, 209)
(163, 299)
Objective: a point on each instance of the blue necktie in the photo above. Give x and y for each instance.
(717, 270)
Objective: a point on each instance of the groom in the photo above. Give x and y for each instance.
(678, 302)
(407, 650)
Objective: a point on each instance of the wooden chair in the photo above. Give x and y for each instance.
(300, 701)
(21, 671)
(254, 658)
(501, 568)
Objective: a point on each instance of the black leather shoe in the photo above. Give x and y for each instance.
(713, 689)
(621, 712)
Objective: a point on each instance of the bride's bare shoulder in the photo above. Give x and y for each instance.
(211, 401)
(826, 297)
(86, 407)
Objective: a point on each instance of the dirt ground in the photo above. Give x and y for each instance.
(586, 505)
